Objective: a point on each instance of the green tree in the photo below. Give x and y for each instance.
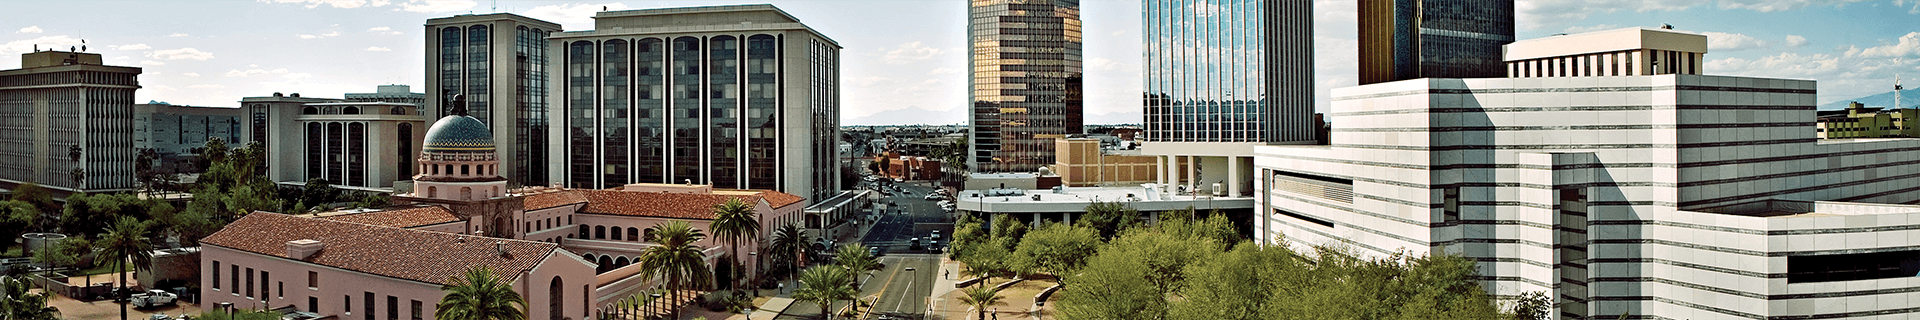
(16, 218)
(479, 295)
(1236, 285)
(38, 196)
(127, 243)
(787, 241)
(319, 191)
(240, 314)
(856, 259)
(1056, 248)
(1533, 305)
(65, 253)
(20, 304)
(676, 258)
(1007, 232)
(980, 298)
(1109, 218)
(989, 260)
(1131, 277)
(824, 286)
(733, 221)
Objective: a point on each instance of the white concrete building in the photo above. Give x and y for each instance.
(1669, 196)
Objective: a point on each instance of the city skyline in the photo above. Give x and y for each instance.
(345, 46)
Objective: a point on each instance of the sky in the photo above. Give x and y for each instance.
(903, 61)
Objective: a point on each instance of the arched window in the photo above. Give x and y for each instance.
(556, 300)
(616, 233)
(433, 192)
(350, 110)
(448, 169)
(620, 262)
(397, 111)
(463, 169)
(606, 264)
(310, 110)
(633, 234)
(599, 232)
(584, 231)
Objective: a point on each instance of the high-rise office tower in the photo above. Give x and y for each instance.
(742, 97)
(1024, 86)
(1411, 39)
(500, 62)
(66, 122)
(1221, 79)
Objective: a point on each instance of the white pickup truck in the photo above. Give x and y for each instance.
(153, 298)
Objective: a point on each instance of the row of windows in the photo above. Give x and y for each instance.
(70, 78)
(278, 291)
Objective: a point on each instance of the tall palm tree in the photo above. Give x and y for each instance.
(787, 240)
(479, 296)
(732, 221)
(20, 305)
(127, 241)
(856, 260)
(980, 298)
(676, 258)
(825, 285)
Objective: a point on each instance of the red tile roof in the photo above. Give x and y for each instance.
(402, 217)
(776, 199)
(425, 256)
(655, 204)
(552, 199)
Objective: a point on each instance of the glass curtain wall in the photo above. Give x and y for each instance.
(763, 89)
(450, 75)
(686, 107)
(479, 73)
(614, 112)
(581, 114)
(1206, 72)
(724, 87)
(649, 116)
(530, 125)
(1025, 69)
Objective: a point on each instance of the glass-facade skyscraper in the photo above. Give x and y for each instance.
(1411, 39)
(501, 63)
(1228, 71)
(737, 97)
(1024, 67)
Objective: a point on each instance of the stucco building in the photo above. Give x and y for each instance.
(64, 112)
(357, 145)
(1665, 196)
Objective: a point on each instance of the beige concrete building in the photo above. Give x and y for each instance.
(1618, 52)
(1081, 162)
(500, 62)
(64, 112)
(354, 145)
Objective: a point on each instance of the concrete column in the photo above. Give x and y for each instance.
(1165, 162)
(1193, 172)
(1036, 219)
(1066, 217)
(1233, 176)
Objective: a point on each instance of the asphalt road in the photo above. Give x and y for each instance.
(903, 293)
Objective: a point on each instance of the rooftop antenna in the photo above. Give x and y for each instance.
(1896, 91)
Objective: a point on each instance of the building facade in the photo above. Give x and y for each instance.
(1411, 39)
(501, 62)
(368, 145)
(1205, 110)
(1672, 196)
(175, 131)
(738, 97)
(395, 93)
(1860, 121)
(1024, 87)
(64, 115)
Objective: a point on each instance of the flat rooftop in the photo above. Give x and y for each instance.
(1076, 199)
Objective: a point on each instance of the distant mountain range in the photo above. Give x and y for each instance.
(917, 115)
(1909, 97)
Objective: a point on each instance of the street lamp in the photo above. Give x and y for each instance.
(756, 271)
(651, 305)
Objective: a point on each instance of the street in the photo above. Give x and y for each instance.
(902, 293)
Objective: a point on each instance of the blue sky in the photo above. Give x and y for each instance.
(899, 54)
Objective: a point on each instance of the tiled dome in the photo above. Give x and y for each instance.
(459, 134)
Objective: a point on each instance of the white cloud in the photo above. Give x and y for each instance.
(191, 74)
(1908, 45)
(909, 53)
(379, 29)
(247, 73)
(382, 30)
(206, 86)
(1592, 28)
(938, 71)
(378, 49)
(1721, 41)
(330, 34)
(280, 70)
(136, 46)
(45, 43)
(572, 16)
(301, 75)
(436, 6)
(180, 54)
(1778, 5)
(323, 35)
(343, 4)
(176, 35)
(1794, 41)
(31, 29)
(152, 63)
(308, 36)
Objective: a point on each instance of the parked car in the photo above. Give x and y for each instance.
(935, 236)
(874, 251)
(153, 298)
(913, 244)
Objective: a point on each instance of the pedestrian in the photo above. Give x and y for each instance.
(995, 313)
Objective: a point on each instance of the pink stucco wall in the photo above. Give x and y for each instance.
(287, 280)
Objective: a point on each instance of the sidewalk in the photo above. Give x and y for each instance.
(940, 307)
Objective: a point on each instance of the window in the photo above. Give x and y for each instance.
(216, 275)
(264, 284)
(367, 304)
(347, 304)
(280, 290)
(393, 308)
(313, 280)
(416, 310)
(249, 282)
(1853, 266)
(233, 275)
(1450, 206)
(313, 304)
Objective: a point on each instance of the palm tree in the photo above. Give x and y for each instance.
(128, 241)
(479, 296)
(676, 258)
(20, 305)
(787, 240)
(856, 260)
(980, 298)
(735, 220)
(825, 284)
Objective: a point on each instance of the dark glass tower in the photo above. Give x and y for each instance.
(1240, 71)
(1411, 39)
(1025, 80)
